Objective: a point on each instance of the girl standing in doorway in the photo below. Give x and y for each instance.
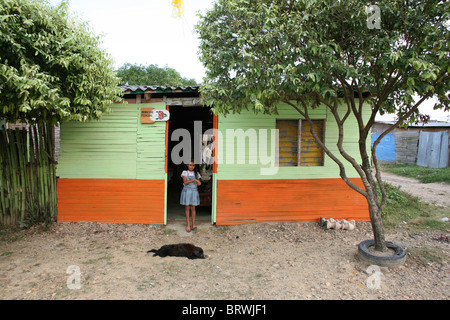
(189, 195)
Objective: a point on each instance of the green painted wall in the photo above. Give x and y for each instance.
(151, 147)
(118, 146)
(229, 167)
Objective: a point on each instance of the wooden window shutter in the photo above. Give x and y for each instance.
(311, 154)
(288, 142)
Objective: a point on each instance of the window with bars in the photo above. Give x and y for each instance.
(296, 144)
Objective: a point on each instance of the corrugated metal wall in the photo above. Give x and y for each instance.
(433, 149)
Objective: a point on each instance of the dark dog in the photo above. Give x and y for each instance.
(179, 250)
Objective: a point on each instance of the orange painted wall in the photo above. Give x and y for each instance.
(244, 201)
(111, 200)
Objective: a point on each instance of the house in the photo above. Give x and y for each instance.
(126, 169)
(424, 144)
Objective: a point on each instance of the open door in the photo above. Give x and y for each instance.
(192, 123)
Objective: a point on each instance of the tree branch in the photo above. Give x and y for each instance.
(411, 111)
(342, 171)
(390, 129)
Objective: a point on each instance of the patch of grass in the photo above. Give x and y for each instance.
(402, 207)
(423, 174)
(426, 255)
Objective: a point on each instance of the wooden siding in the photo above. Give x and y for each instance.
(288, 142)
(241, 163)
(113, 170)
(311, 154)
(245, 201)
(118, 146)
(111, 200)
(100, 149)
(151, 147)
(290, 132)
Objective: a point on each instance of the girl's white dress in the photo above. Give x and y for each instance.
(189, 194)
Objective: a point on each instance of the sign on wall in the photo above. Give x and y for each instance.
(150, 115)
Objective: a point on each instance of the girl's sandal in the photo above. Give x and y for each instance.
(188, 229)
(194, 228)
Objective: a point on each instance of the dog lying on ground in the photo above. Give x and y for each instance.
(179, 250)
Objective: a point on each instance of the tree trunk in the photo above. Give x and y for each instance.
(377, 224)
(364, 170)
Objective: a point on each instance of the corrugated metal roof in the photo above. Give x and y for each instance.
(421, 124)
(135, 88)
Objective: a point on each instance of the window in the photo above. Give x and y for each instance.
(296, 145)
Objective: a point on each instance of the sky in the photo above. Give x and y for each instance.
(146, 32)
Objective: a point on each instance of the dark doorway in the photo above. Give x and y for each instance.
(196, 121)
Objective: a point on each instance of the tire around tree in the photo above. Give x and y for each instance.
(397, 259)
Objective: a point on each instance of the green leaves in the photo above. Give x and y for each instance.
(302, 48)
(143, 75)
(51, 65)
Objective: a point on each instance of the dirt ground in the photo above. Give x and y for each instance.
(435, 193)
(280, 261)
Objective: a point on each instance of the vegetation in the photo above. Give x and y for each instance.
(51, 66)
(28, 179)
(51, 70)
(309, 52)
(134, 74)
(423, 174)
(410, 214)
(403, 208)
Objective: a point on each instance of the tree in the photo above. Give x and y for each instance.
(51, 65)
(304, 53)
(135, 74)
(51, 70)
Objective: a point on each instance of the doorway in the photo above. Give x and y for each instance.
(193, 122)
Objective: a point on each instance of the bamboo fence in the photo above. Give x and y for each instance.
(28, 175)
